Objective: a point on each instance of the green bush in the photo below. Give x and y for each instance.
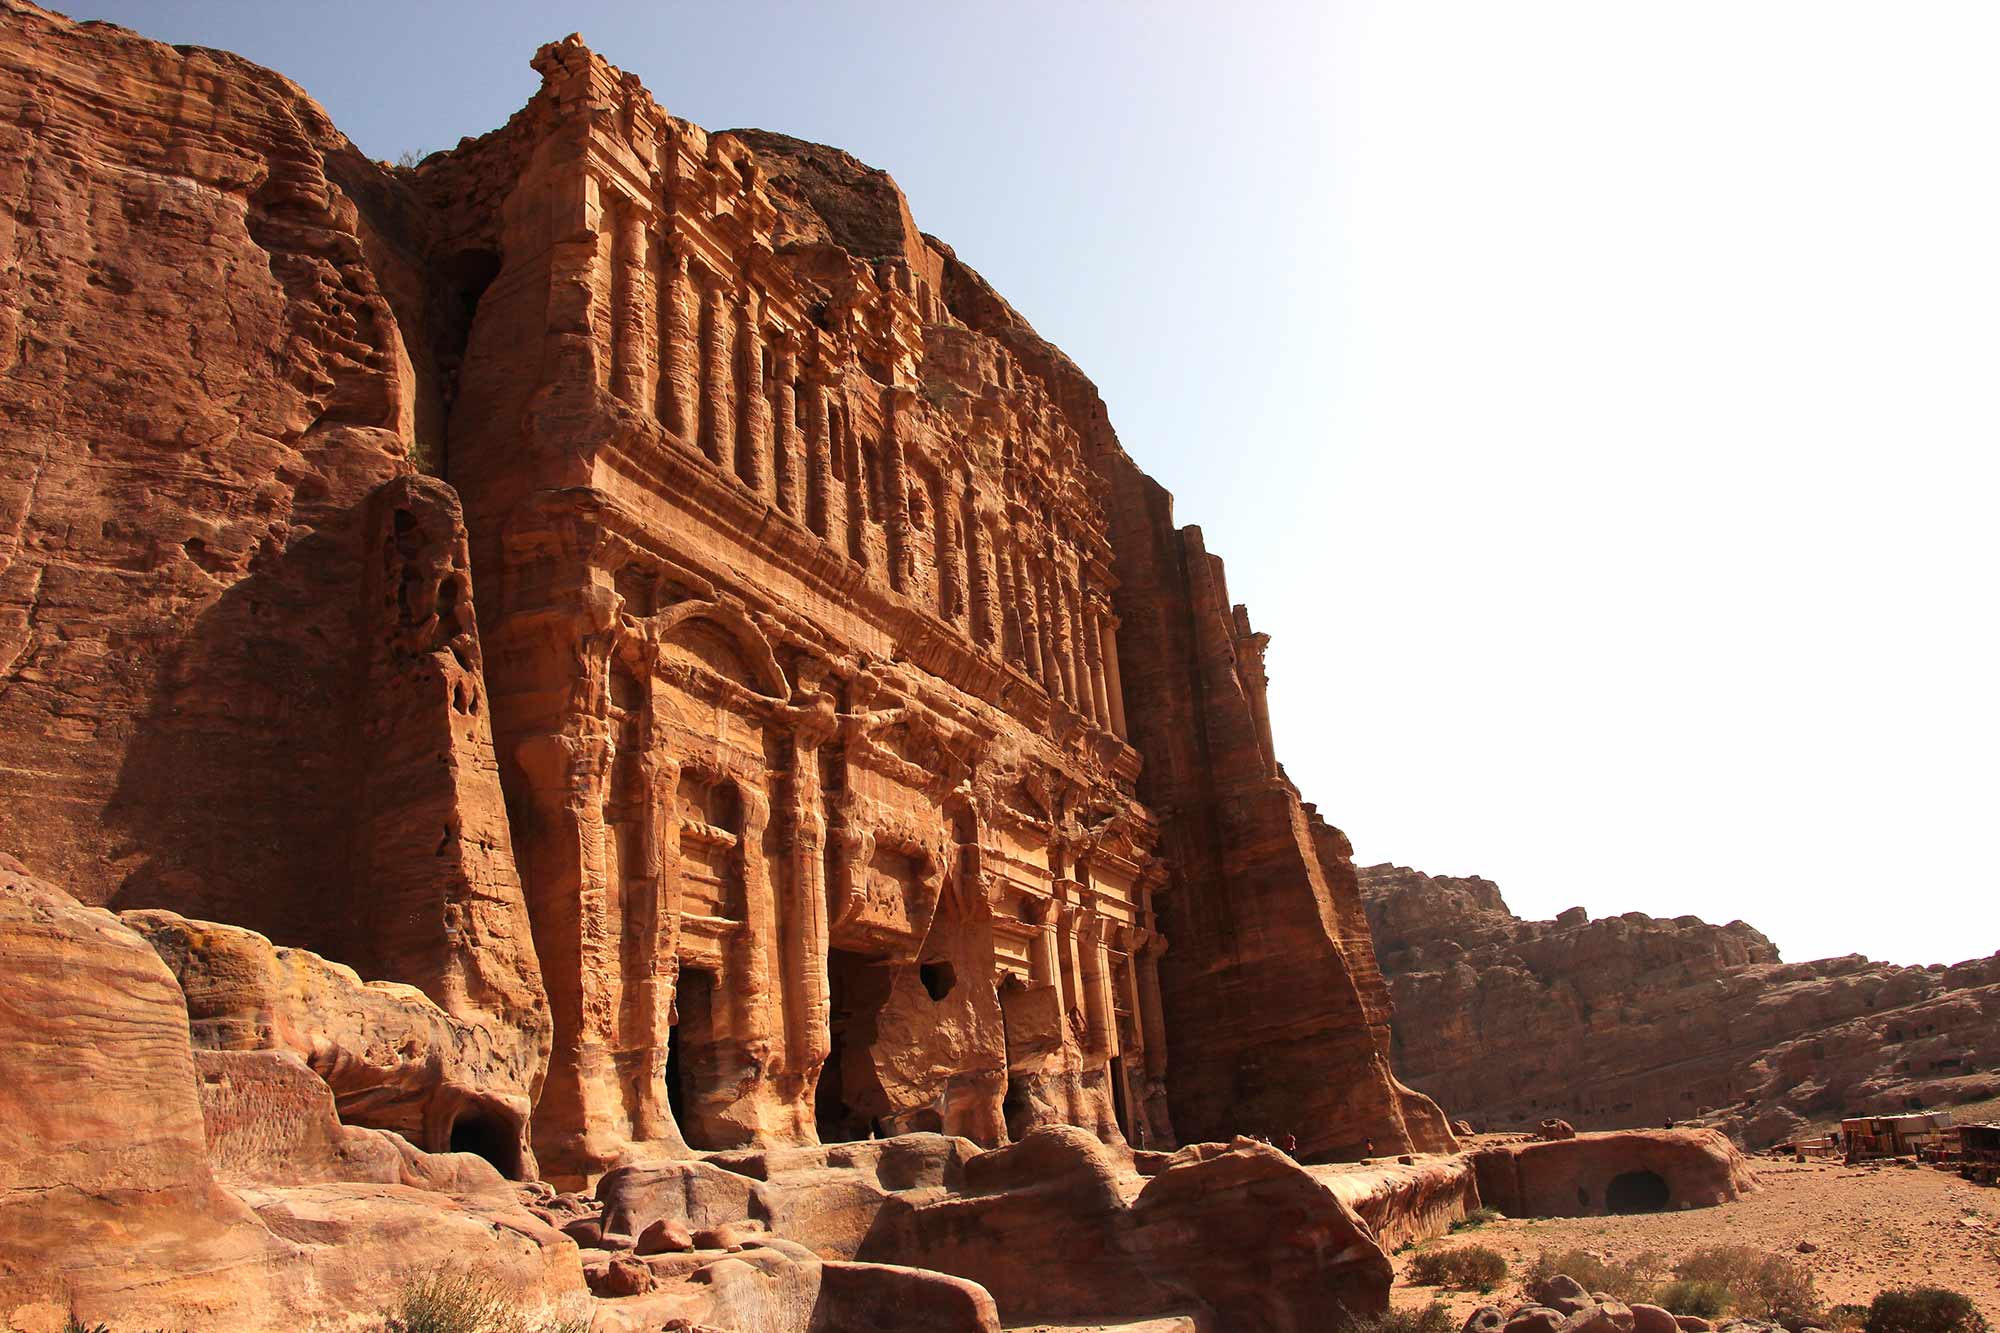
(1629, 1280)
(1702, 1299)
(1468, 1268)
(1433, 1318)
(1755, 1283)
(1924, 1310)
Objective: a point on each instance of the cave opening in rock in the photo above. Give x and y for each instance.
(1115, 1071)
(856, 987)
(1637, 1192)
(938, 979)
(488, 1135)
(691, 1055)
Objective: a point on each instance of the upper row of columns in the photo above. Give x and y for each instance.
(697, 362)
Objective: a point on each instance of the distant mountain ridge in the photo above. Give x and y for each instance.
(1637, 1020)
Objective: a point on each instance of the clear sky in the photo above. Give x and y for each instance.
(1595, 401)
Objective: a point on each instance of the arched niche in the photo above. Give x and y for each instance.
(723, 640)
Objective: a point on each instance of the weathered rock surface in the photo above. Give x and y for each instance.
(109, 1202)
(392, 1059)
(239, 676)
(1057, 1227)
(1636, 1020)
(840, 733)
(1630, 1171)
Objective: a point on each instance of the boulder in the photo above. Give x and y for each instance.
(1601, 1317)
(1559, 1288)
(1536, 1319)
(1486, 1319)
(1652, 1319)
(1622, 1171)
(664, 1235)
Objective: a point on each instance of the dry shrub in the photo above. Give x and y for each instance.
(1468, 1268)
(1629, 1280)
(1757, 1283)
(1433, 1318)
(1924, 1310)
(1693, 1296)
(468, 1303)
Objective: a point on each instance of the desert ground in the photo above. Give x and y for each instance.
(1873, 1227)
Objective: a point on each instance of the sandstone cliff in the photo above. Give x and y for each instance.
(607, 647)
(1636, 1020)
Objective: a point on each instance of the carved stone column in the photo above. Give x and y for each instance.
(979, 568)
(897, 484)
(819, 462)
(680, 383)
(785, 456)
(1100, 1015)
(753, 463)
(951, 572)
(759, 1003)
(809, 1002)
(1114, 686)
(657, 927)
(856, 526)
(1028, 619)
(632, 308)
(718, 390)
(1073, 657)
(1093, 654)
(1045, 615)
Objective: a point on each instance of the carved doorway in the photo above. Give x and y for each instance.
(692, 1067)
(843, 1109)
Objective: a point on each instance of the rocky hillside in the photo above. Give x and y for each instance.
(1639, 1020)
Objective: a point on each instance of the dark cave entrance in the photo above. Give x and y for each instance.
(489, 1136)
(1637, 1192)
(857, 985)
(690, 1053)
(1115, 1071)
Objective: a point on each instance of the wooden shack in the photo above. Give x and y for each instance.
(1868, 1138)
(1979, 1153)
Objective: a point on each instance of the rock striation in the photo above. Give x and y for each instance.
(1640, 1021)
(607, 649)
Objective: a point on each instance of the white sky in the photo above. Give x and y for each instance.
(1595, 401)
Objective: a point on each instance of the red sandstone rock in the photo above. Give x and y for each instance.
(393, 1059)
(1652, 1319)
(107, 1197)
(837, 699)
(1639, 1021)
(1623, 1172)
(665, 1235)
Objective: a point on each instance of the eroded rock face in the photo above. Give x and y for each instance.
(391, 1057)
(1636, 1020)
(837, 698)
(1630, 1171)
(1058, 1227)
(239, 674)
(133, 1190)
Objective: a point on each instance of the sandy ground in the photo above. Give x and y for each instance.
(1875, 1226)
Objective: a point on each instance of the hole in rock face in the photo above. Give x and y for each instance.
(1637, 1192)
(938, 979)
(489, 1136)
